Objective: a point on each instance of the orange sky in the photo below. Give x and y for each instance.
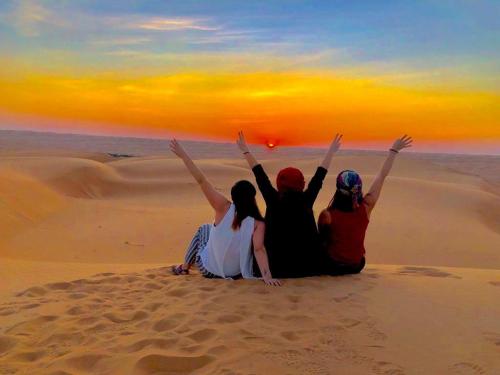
(290, 108)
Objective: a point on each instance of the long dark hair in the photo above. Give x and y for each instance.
(243, 196)
(341, 202)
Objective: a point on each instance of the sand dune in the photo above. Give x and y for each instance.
(145, 209)
(153, 323)
(428, 302)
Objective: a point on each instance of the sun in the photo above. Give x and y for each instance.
(270, 144)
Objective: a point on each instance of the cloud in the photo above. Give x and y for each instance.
(30, 16)
(173, 24)
(120, 41)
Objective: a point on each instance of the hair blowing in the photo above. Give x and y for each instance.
(243, 196)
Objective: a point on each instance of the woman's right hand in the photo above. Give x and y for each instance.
(272, 282)
(241, 142)
(177, 149)
(336, 143)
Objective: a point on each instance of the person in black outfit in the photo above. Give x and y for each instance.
(291, 237)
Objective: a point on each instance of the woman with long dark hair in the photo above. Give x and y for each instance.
(342, 225)
(224, 249)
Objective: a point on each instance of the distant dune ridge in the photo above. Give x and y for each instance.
(86, 238)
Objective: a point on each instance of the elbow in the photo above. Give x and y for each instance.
(260, 250)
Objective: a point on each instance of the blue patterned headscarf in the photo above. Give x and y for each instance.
(349, 183)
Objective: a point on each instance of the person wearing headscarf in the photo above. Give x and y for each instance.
(342, 225)
(291, 238)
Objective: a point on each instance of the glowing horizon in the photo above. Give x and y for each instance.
(206, 71)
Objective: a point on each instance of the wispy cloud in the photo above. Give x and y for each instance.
(120, 41)
(30, 16)
(173, 24)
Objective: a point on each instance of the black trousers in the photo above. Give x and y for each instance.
(334, 268)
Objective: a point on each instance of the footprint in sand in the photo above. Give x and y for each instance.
(299, 319)
(29, 326)
(162, 364)
(202, 335)
(36, 291)
(349, 323)
(59, 286)
(466, 368)
(103, 274)
(340, 299)
(30, 306)
(115, 318)
(153, 343)
(383, 367)
(152, 307)
(58, 339)
(207, 288)
(218, 350)
(152, 286)
(29, 356)
(7, 311)
(168, 323)
(88, 320)
(6, 344)
(492, 337)
(425, 271)
(294, 298)
(495, 283)
(77, 295)
(290, 336)
(86, 362)
(229, 318)
(179, 292)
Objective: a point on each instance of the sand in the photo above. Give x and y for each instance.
(86, 240)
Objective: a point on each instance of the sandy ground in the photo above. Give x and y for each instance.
(85, 241)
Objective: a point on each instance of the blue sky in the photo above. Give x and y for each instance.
(410, 38)
(376, 68)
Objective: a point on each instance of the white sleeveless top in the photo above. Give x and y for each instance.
(229, 252)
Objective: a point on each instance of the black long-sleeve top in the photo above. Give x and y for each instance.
(291, 238)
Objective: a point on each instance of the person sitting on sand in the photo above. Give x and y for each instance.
(224, 249)
(342, 225)
(291, 238)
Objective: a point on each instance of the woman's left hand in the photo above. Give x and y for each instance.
(272, 282)
(401, 143)
(177, 149)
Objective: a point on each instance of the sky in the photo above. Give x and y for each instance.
(284, 71)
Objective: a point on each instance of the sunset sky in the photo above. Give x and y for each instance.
(290, 72)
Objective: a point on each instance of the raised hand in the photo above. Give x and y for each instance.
(334, 147)
(336, 143)
(241, 142)
(401, 143)
(177, 149)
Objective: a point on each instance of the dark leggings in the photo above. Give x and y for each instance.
(337, 269)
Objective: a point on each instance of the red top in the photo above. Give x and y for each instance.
(346, 235)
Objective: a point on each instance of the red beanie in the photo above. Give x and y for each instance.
(290, 179)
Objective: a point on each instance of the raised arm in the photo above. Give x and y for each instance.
(261, 254)
(242, 145)
(266, 188)
(218, 201)
(334, 147)
(316, 182)
(373, 194)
